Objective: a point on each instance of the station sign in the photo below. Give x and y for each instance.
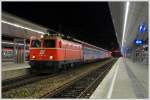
(142, 28)
(138, 42)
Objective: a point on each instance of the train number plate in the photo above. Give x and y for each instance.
(42, 52)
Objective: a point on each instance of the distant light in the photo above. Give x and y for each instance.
(16, 25)
(125, 21)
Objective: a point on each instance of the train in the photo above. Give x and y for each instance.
(9, 53)
(54, 52)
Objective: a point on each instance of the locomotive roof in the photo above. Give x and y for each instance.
(72, 39)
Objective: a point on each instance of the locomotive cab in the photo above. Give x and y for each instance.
(45, 51)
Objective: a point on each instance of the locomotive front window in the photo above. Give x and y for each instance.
(49, 43)
(36, 44)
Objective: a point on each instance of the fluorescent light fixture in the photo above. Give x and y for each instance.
(16, 25)
(125, 21)
(7, 43)
(11, 43)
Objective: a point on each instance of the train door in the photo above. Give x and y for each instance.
(19, 51)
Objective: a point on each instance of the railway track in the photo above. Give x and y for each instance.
(82, 87)
(49, 85)
(24, 80)
(21, 81)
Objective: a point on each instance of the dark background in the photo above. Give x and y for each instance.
(87, 21)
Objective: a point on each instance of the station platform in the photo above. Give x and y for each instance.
(12, 70)
(126, 80)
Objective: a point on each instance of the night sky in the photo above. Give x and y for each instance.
(87, 21)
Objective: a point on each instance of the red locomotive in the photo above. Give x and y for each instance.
(53, 52)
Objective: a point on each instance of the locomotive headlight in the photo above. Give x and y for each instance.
(33, 57)
(50, 57)
(42, 36)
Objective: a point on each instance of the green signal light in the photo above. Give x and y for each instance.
(48, 33)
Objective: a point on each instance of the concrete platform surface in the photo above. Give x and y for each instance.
(12, 70)
(6, 66)
(126, 80)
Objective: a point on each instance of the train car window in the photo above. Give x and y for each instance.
(49, 43)
(35, 44)
(7, 53)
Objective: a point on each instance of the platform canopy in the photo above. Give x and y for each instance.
(129, 18)
(14, 26)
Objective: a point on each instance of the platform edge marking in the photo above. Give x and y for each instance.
(113, 82)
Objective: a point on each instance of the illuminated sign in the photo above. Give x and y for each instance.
(138, 42)
(142, 28)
